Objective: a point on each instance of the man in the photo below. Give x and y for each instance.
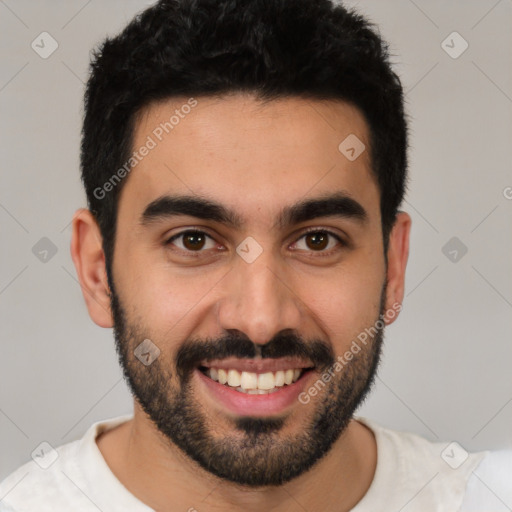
(244, 164)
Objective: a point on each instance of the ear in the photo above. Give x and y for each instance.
(398, 253)
(89, 260)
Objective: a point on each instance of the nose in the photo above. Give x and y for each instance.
(259, 300)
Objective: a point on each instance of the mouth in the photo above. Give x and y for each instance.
(254, 387)
(253, 383)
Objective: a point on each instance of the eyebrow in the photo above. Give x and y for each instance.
(338, 204)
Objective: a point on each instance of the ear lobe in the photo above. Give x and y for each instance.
(398, 253)
(89, 259)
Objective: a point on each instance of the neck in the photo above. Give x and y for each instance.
(164, 478)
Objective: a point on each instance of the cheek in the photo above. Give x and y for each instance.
(346, 302)
(168, 300)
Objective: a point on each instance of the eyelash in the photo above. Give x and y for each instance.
(170, 241)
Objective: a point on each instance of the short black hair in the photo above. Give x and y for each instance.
(313, 49)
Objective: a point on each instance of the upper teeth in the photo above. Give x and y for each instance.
(254, 382)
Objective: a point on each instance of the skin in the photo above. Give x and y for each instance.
(254, 159)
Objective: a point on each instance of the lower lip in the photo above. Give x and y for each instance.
(244, 404)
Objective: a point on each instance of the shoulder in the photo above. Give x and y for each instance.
(490, 485)
(415, 451)
(43, 483)
(58, 479)
(426, 474)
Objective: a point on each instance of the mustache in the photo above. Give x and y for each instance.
(237, 344)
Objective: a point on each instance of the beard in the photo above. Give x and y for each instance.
(256, 453)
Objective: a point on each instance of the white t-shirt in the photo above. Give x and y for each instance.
(412, 474)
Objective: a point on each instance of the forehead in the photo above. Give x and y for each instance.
(255, 157)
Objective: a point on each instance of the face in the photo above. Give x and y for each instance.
(249, 248)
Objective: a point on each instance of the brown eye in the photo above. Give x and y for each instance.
(191, 241)
(317, 241)
(320, 241)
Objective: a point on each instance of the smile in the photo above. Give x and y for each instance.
(251, 382)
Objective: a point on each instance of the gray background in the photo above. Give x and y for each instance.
(446, 369)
